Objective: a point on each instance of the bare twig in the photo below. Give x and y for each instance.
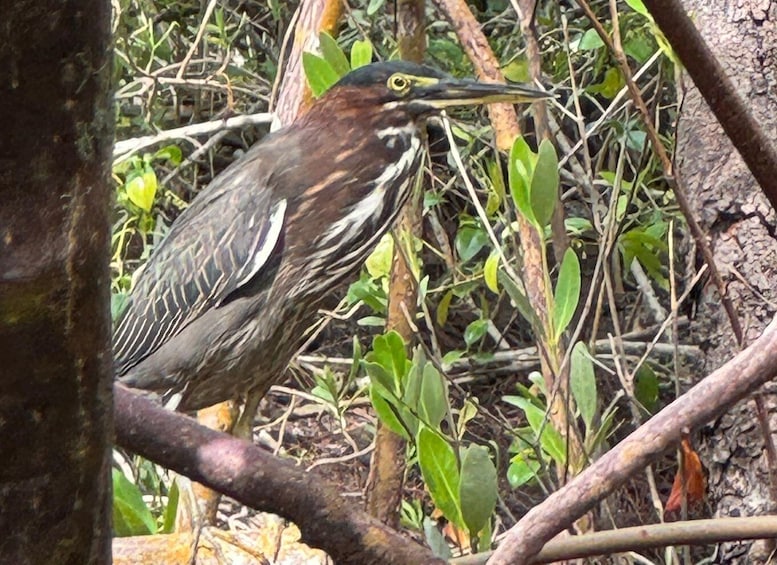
(124, 149)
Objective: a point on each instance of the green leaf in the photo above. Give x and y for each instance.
(611, 84)
(378, 263)
(387, 413)
(646, 388)
(381, 379)
(171, 510)
(517, 70)
(590, 40)
(550, 440)
(519, 175)
(468, 411)
(141, 189)
(490, 273)
(131, 516)
(441, 474)
(496, 194)
(582, 381)
(414, 380)
(544, 184)
(469, 241)
(523, 468)
(170, 153)
(567, 293)
(519, 298)
(475, 331)
(433, 404)
(374, 6)
(442, 308)
(478, 488)
(389, 351)
(639, 7)
(320, 74)
(333, 54)
(361, 53)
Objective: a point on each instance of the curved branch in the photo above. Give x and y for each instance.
(255, 478)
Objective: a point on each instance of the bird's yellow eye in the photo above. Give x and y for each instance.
(398, 83)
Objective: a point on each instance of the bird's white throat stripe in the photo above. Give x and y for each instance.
(350, 226)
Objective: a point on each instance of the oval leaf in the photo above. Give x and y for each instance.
(441, 474)
(519, 177)
(320, 74)
(361, 53)
(478, 489)
(433, 403)
(387, 413)
(333, 54)
(490, 271)
(544, 184)
(582, 381)
(567, 293)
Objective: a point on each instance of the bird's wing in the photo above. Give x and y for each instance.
(217, 245)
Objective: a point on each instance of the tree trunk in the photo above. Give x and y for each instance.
(55, 361)
(741, 225)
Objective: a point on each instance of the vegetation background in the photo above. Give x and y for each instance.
(557, 291)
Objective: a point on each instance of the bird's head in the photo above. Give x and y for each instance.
(417, 90)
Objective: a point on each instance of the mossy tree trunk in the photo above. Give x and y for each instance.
(55, 360)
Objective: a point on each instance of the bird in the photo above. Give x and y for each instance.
(222, 304)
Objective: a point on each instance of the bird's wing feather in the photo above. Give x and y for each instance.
(220, 243)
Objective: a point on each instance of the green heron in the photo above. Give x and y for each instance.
(221, 306)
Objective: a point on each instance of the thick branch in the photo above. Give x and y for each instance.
(707, 400)
(255, 478)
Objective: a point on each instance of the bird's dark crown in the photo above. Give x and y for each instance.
(379, 73)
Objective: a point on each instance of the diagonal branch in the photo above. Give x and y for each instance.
(718, 90)
(750, 369)
(255, 478)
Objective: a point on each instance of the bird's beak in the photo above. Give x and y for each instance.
(453, 92)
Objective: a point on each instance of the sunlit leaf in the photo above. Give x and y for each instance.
(320, 74)
(333, 54)
(131, 516)
(141, 189)
(491, 273)
(522, 469)
(361, 53)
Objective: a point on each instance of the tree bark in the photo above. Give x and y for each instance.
(741, 228)
(387, 468)
(55, 360)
